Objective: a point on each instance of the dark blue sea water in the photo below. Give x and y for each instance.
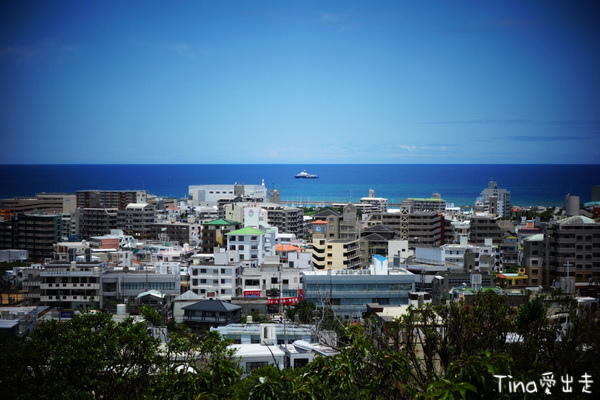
(461, 184)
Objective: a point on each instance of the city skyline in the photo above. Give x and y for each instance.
(299, 83)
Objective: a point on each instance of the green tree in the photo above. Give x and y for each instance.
(88, 357)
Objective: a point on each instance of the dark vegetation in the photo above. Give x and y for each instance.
(450, 351)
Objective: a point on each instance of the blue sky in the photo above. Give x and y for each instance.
(299, 82)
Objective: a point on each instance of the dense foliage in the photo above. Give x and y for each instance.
(450, 351)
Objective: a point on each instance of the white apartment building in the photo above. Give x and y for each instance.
(496, 201)
(252, 245)
(454, 254)
(218, 278)
(275, 282)
(209, 195)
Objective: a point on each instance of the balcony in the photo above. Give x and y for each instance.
(58, 299)
(91, 286)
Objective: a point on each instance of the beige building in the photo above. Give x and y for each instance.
(42, 202)
(337, 254)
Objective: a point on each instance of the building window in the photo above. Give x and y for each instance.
(273, 280)
(223, 270)
(256, 364)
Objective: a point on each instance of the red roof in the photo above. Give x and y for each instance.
(286, 247)
(319, 222)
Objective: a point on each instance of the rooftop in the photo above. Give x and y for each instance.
(221, 222)
(213, 305)
(576, 220)
(247, 231)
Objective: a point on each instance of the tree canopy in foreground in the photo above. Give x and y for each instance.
(450, 351)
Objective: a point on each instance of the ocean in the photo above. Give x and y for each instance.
(460, 184)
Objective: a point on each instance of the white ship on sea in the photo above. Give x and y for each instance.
(305, 175)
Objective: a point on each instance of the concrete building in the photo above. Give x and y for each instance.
(425, 229)
(496, 201)
(97, 221)
(172, 231)
(37, 233)
(573, 250)
(534, 259)
(109, 198)
(213, 234)
(483, 226)
(71, 284)
(277, 284)
(124, 285)
(252, 245)
(137, 220)
(41, 203)
(373, 204)
(349, 291)
(210, 195)
(337, 254)
(217, 278)
(423, 205)
(286, 219)
(250, 333)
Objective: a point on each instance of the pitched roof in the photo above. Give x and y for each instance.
(379, 228)
(327, 213)
(189, 295)
(213, 305)
(286, 247)
(247, 231)
(221, 222)
(374, 237)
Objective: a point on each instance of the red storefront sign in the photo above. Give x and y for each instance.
(288, 301)
(251, 293)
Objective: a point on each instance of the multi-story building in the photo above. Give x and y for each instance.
(373, 204)
(210, 195)
(573, 250)
(420, 229)
(109, 198)
(41, 203)
(136, 220)
(38, 233)
(252, 245)
(125, 284)
(345, 226)
(286, 219)
(71, 284)
(278, 284)
(421, 205)
(213, 234)
(172, 231)
(483, 226)
(496, 201)
(337, 254)
(217, 278)
(97, 221)
(533, 260)
(348, 292)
